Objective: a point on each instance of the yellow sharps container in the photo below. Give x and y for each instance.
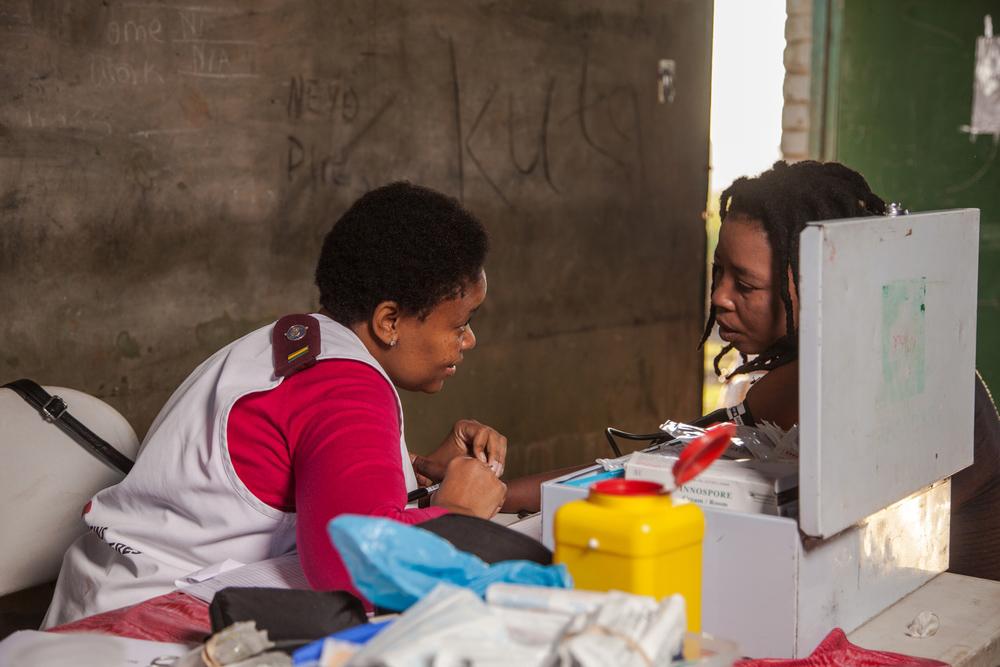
(632, 536)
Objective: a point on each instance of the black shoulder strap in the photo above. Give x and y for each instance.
(53, 410)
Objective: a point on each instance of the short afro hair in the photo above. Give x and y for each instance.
(400, 242)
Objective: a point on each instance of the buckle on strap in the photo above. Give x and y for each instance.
(53, 409)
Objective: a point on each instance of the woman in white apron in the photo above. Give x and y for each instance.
(299, 421)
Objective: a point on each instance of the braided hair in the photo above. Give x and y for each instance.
(783, 199)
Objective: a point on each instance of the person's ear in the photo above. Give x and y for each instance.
(385, 322)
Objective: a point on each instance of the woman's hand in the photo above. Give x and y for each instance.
(468, 438)
(470, 487)
(427, 471)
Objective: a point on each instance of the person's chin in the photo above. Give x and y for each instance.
(747, 348)
(740, 342)
(735, 339)
(432, 387)
(437, 384)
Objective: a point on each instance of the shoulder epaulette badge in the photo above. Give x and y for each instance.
(295, 343)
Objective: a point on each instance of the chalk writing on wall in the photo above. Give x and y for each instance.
(503, 133)
(171, 165)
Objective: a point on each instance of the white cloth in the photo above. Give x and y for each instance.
(734, 390)
(183, 508)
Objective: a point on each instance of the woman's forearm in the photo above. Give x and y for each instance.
(524, 494)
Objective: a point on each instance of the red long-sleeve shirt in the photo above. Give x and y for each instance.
(325, 442)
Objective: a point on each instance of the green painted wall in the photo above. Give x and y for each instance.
(901, 74)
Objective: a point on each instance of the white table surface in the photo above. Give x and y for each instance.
(969, 613)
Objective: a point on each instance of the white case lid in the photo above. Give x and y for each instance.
(887, 345)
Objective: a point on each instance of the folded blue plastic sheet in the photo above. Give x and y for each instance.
(393, 564)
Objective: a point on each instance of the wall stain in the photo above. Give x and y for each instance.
(12, 200)
(127, 346)
(143, 168)
(218, 332)
(195, 108)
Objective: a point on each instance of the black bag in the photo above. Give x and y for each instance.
(489, 541)
(291, 617)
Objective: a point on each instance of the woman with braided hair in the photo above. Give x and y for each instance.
(754, 302)
(755, 270)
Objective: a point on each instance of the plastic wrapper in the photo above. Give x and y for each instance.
(530, 626)
(552, 600)
(626, 630)
(451, 627)
(239, 645)
(394, 565)
(769, 442)
(925, 624)
(444, 627)
(764, 442)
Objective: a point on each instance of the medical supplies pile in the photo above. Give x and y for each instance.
(759, 474)
(458, 610)
(479, 614)
(521, 625)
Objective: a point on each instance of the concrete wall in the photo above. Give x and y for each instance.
(167, 173)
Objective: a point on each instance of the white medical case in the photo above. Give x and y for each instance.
(887, 339)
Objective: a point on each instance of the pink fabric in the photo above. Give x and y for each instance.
(323, 443)
(173, 617)
(836, 651)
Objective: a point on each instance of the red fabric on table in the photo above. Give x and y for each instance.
(173, 617)
(836, 651)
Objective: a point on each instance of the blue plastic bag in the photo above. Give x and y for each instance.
(393, 564)
(358, 634)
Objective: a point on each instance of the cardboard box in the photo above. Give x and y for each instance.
(764, 487)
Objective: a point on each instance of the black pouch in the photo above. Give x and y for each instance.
(489, 541)
(291, 617)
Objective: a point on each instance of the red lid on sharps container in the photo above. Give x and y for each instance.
(701, 452)
(627, 487)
